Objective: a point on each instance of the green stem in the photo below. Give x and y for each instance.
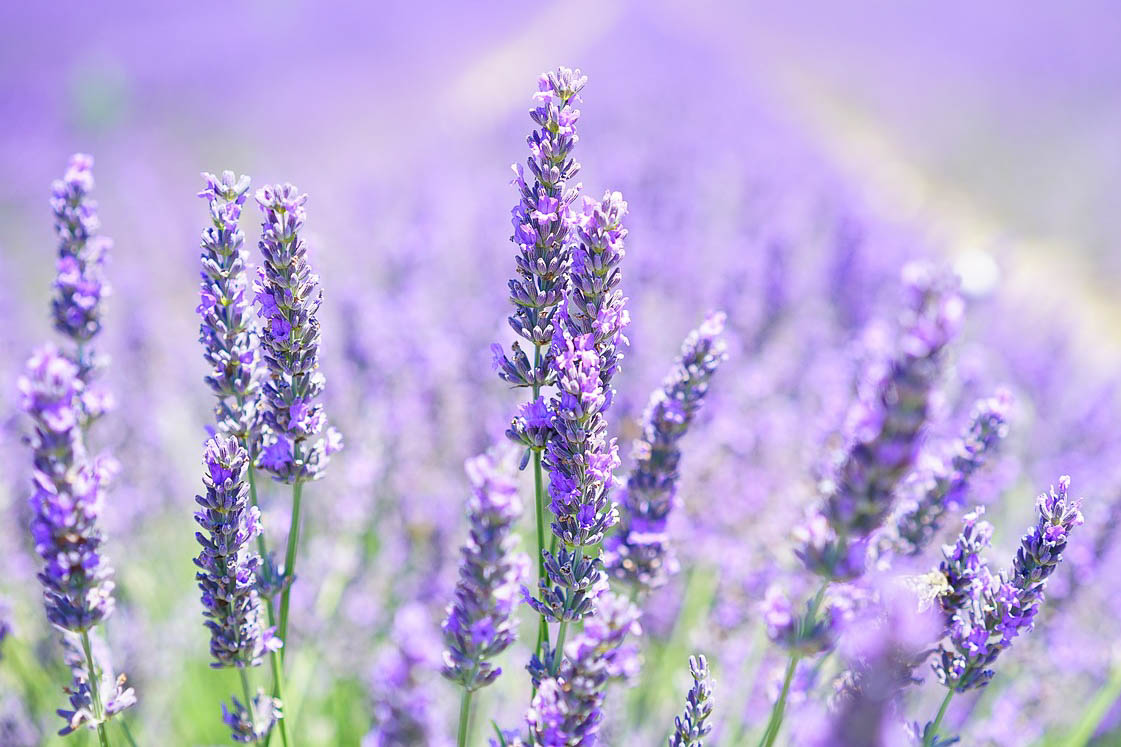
(562, 632)
(777, 713)
(539, 505)
(260, 537)
(274, 656)
(290, 565)
(95, 691)
(932, 732)
(127, 731)
(248, 700)
(464, 718)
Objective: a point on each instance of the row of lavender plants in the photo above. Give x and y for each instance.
(873, 631)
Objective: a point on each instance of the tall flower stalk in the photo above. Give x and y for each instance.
(542, 221)
(884, 442)
(568, 708)
(229, 337)
(639, 552)
(942, 488)
(67, 500)
(227, 578)
(986, 612)
(480, 624)
(68, 485)
(296, 442)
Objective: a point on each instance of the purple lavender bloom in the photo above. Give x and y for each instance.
(997, 609)
(252, 725)
(810, 631)
(690, 728)
(542, 221)
(595, 304)
(227, 329)
(886, 431)
(581, 461)
(567, 709)
(80, 284)
(68, 496)
(227, 571)
(480, 623)
(919, 518)
(580, 458)
(963, 565)
(288, 298)
(640, 552)
(115, 696)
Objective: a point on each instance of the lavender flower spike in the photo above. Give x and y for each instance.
(917, 520)
(80, 285)
(581, 462)
(996, 609)
(886, 431)
(480, 623)
(288, 296)
(227, 571)
(542, 222)
(67, 499)
(595, 304)
(227, 328)
(639, 552)
(690, 728)
(250, 724)
(567, 709)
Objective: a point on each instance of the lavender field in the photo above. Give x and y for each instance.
(771, 397)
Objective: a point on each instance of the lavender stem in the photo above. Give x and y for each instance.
(775, 723)
(539, 504)
(932, 732)
(464, 717)
(778, 711)
(274, 656)
(128, 732)
(95, 691)
(290, 561)
(248, 698)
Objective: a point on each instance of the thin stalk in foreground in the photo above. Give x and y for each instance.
(539, 508)
(290, 564)
(932, 732)
(274, 656)
(127, 731)
(464, 718)
(95, 691)
(777, 713)
(248, 699)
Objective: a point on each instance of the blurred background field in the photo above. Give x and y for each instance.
(781, 161)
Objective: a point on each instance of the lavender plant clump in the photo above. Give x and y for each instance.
(848, 420)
